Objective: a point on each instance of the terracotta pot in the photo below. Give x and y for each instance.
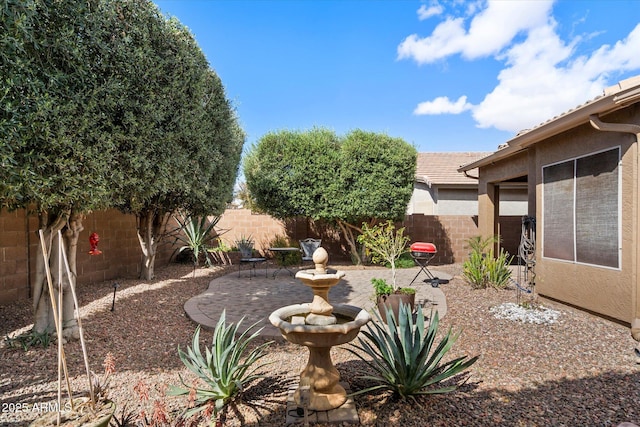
(392, 302)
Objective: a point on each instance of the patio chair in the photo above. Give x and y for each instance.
(246, 257)
(308, 247)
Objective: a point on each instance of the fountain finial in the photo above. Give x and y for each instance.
(320, 258)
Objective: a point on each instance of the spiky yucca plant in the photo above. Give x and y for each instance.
(224, 369)
(404, 358)
(197, 235)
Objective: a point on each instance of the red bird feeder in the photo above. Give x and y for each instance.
(93, 241)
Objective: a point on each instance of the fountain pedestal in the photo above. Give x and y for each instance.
(320, 331)
(322, 377)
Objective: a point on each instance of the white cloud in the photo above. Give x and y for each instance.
(542, 74)
(544, 79)
(427, 12)
(489, 32)
(442, 105)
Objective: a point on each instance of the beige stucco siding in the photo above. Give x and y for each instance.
(488, 198)
(607, 291)
(436, 200)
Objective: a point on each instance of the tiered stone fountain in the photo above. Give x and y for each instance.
(319, 326)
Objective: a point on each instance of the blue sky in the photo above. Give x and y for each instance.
(442, 75)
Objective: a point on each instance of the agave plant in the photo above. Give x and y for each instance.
(404, 358)
(224, 369)
(196, 235)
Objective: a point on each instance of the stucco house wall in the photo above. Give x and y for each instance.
(440, 189)
(603, 290)
(607, 288)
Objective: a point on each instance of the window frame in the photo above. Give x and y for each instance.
(575, 159)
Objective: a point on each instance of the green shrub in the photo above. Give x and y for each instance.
(403, 356)
(474, 270)
(482, 269)
(405, 261)
(381, 287)
(224, 369)
(498, 272)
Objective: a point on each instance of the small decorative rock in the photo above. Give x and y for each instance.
(510, 311)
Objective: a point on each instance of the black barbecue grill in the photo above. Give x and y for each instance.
(422, 253)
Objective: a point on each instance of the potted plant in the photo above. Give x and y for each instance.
(245, 246)
(386, 244)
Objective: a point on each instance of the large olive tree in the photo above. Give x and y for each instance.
(57, 152)
(363, 177)
(185, 132)
(88, 122)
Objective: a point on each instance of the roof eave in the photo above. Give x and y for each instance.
(603, 105)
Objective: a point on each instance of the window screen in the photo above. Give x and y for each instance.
(597, 209)
(581, 209)
(558, 211)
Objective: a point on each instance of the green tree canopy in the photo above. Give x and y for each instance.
(288, 172)
(180, 142)
(363, 177)
(106, 103)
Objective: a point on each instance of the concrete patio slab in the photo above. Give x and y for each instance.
(255, 298)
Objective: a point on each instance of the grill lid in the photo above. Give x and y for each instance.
(423, 247)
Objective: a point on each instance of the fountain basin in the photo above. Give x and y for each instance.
(315, 335)
(322, 391)
(319, 326)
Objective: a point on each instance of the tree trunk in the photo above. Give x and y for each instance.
(70, 225)
(347, 231)
(150, 228)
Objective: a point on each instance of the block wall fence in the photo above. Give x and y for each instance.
(20, 246)
(121, 253)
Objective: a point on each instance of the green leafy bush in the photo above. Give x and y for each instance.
(381, 287)
(224, 369)
(404, 358)
(482, 269)
(404, 261)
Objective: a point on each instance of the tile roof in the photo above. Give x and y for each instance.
(442, 168)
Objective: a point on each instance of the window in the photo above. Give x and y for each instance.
(581, 209)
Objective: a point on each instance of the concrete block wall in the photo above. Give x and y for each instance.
(121, 254)
(14, 257)
(449, 232)
(237, 223)
(121, 257)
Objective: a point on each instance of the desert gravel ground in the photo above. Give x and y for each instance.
(578, 371)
